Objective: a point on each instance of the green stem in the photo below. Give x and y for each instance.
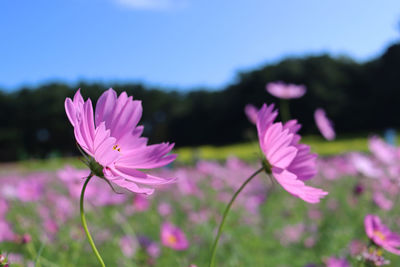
(85, 225)
(221, 225)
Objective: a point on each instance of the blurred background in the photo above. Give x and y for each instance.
(195, 65)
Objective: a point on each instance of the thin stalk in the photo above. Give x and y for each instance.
(96, 252)
(227, 209)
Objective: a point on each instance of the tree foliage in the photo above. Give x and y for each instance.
(358, 97)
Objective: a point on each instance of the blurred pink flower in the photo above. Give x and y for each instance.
(113, 139)
(30, 190)
(6, 232)
(151, 247)
(383, 151)
(3, 208)
(374, 257)
(74, 179)
(141, 203)
(286, 91)
(381, 235)
(96, 193)
(365, 165)
(314, 214)
(251, 113)
(309, 242)
(382, 202)
(356, 247)
(292, 234)
(51, 226)
(173, 237)
(324, 124)
(15, 259)
(337, 262)
(128, 246)
(164, 209)
(290, 163)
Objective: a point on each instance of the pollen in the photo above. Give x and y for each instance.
(116, 147)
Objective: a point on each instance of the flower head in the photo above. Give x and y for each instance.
(381, 235)
(173, 237)
(324, 124)
(112, 138)
(286, 91)
(290, 162)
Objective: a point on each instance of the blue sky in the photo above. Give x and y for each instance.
(180, 43)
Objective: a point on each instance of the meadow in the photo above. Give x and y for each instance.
(267, 227)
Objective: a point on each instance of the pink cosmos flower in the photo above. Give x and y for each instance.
(381, 235)
(290, 163)
(337, 262)
(113, 139)
(324, 124)
(173, 237)
(286, 91)
(251, 113)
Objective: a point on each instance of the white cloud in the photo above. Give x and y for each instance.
(152, 4)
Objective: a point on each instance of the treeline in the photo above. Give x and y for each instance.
(358, 97)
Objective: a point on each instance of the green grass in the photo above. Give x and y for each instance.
(251, 151)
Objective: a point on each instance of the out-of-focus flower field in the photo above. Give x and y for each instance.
(40, 224)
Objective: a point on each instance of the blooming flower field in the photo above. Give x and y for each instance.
(267, 227)
(285, 207)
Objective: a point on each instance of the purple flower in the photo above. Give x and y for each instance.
(173, 237)
(289, 162)
(286, 91)
(113, 139)
(381, 235)
(324, 124)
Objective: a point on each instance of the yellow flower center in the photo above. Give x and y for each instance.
(172, 239)
(116, 147)
(380, 235)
